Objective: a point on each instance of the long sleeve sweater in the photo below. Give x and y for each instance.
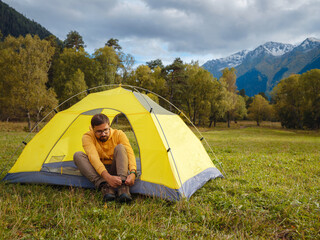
(100, 153)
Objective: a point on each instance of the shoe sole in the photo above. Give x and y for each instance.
(124, 198)
(109, 197)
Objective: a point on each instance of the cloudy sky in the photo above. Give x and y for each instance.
(197, 30)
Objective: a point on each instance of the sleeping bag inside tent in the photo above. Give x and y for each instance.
(172, 162)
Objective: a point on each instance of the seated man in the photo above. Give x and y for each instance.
(108, 157)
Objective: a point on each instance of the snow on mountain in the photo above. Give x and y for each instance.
(278, 49)
(271, 48)
(234, 60)
(261, 69)
(308, 44)
(229, 62)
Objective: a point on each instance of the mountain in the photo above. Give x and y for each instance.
(15, 24)
(261, 69)
(215, 66)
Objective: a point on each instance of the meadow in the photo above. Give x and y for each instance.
(271, 191)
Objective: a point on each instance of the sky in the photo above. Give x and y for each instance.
(194, 30)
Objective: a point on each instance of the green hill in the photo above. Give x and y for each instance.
(15, 24)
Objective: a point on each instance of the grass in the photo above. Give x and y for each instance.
(272, 191)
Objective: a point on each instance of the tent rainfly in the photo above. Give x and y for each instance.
(172, 162)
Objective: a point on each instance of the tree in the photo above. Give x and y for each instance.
(197, 93)
(310, 82)
(155, 63)
(297, 100)
(24, 65)
(229, 76)
(126, 67)
(114, 43)
(242, 92)
(74, 40)
(259, 109)
(58, 49)
(263, 94)
(68, 64)
(109, 62)
(228, 80)
(76, 85)
(288, 97)
(143, 78)
(218, 103)
(240, 110)
(175, 76)
(160, 86)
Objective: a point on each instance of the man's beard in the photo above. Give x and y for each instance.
(103, 138)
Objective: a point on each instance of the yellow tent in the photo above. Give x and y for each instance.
(172, 162)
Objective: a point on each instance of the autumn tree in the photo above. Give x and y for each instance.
(240, 110)
(259, 109)
(310, 82)
(219, 104)
(228, 80)
(297, 100)
(24, 65)
(68, 64)
(126, 66)
(288, 97)
(197, 93)
(145, 78)
(76, 85)
(109, 61)
(160, 86)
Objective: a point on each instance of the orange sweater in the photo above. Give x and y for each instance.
(101, 153)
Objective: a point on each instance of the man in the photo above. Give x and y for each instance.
(108, 157)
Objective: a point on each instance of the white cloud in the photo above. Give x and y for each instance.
(190, 29)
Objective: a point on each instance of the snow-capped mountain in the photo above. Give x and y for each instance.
(229, 62)
(271, 48)
(308, 44)
(261, 69)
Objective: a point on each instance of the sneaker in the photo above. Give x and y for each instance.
(108, 193)
(124, 194)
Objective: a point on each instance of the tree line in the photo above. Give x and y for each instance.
(36, 75)
(16, 24)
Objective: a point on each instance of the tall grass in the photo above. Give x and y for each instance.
(272, 191)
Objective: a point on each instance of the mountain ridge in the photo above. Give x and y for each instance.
(267, 64)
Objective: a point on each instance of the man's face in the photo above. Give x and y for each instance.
(102, 132)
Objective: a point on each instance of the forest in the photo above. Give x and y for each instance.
(16, 24)
(39, 74)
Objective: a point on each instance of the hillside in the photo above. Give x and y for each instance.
(15, 24)
(261, 69)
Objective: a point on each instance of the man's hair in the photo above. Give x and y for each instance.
(99, 119)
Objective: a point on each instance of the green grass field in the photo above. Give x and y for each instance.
(272, 191)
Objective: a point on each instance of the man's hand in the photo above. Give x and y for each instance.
(113, 181)
(130, 179)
